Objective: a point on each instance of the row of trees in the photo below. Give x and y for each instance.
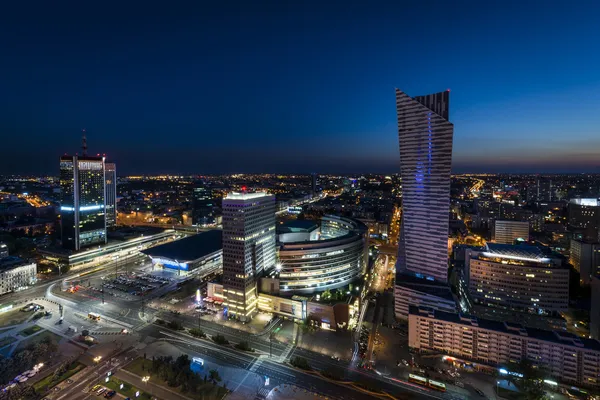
(26, 358)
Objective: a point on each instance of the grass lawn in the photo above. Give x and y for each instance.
(209, 391)
(30, 331)
(43, 385)
(38, 338)
(14, 317)
(127, 391)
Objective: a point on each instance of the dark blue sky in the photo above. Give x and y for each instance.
(282, 86)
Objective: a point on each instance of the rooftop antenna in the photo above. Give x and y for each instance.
(84, 142)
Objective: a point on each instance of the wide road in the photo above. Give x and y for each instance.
(130, 313)
(283, 373)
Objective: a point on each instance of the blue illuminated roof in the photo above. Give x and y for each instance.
(189, 249)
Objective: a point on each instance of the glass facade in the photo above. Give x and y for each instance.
(83, 217)
(333, 262)
(203, 213)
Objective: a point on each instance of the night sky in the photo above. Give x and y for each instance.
(284, 86)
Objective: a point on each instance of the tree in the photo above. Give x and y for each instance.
(214, 376)
(197, 332)
(220, 339)
(531, 383)
(300, 362)
(175, 325)
(244, 346)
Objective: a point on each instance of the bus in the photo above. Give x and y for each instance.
(417, 379)
(437, 385)
(94, 316)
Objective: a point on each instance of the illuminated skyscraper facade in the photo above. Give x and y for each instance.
(248, 249)
(203, 206)
(82, 207)
(110, 176)
(425, 137)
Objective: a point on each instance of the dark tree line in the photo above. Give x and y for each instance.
(177, 373)
(25, 359)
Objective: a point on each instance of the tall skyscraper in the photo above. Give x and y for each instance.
(248, 249)
(425, 137)
(202, 206)
(82, 208)
(110, 176)
(314, 183)
(545, 190)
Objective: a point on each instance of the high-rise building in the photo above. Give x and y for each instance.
(425, 137)
(82, 207)
(595, 308)
(518, 277)
(545, 190)
(248, 249)
(585, 258)
(584, 218)
(110, 176)
(203, 206)
(314, 183)
(506, 232)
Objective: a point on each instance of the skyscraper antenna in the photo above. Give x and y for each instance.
(84, 142)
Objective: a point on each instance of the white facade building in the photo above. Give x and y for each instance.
(16, 274)
(563, 355)
(248, 248)
(517, 277)
(506, 232)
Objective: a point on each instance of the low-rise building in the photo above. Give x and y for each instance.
(16, 274)
(412, 291)
(201, 253)
(562, 355)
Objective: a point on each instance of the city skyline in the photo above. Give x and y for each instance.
(278, 88)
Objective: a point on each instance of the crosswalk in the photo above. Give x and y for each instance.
(262, 393)
(290, 346)
(258, 363)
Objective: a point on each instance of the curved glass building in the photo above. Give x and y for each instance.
(328, 259)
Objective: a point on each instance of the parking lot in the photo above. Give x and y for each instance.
(133, 285)
(125, 286)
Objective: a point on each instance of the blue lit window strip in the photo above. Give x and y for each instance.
(84, 208)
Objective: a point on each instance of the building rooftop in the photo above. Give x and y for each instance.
(438, 289)
(585, 202)
(517, 252)
(298, 225)
(190, 248)
(11, 262)
(560, 337)
(245, 196)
